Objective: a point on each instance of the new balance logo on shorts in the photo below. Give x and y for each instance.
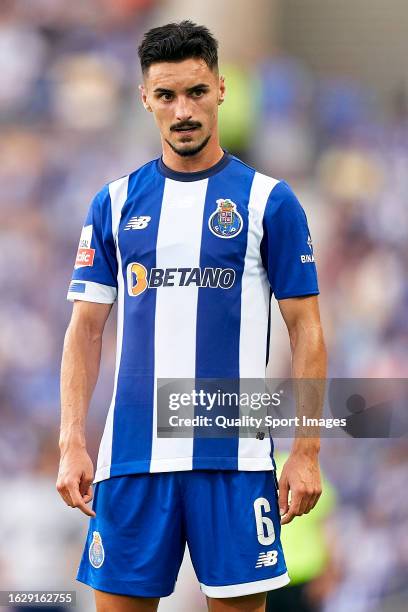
(267, 558)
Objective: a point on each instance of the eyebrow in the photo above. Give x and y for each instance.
(189, 90)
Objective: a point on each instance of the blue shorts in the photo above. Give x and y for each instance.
(229, 519)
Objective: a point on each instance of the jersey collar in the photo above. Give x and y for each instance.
(193, 176)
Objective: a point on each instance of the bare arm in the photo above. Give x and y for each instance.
(301, 473)
(79, 373)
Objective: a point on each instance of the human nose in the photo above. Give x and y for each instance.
(183, 110)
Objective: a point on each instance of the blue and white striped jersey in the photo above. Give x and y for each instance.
(192, 260)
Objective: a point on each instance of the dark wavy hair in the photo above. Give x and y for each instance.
(174, 42)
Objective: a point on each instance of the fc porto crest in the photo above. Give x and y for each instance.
(225, 222)
(96, 551)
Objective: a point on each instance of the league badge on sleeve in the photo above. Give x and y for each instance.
(85, 255)
(96, 551)
(225, 222)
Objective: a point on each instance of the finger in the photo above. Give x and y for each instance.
(288, 517)
(78, 502)
(85, 483)
(293, 508)
(308, 502)
(81, 505)
(316, 498)
(88, 495)
(283, 496)
(312, 499)
(304, 504)
(67, 499)
(64, 493)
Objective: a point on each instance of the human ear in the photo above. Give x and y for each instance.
(143, 96)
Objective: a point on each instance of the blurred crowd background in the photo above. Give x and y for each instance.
(318, 96)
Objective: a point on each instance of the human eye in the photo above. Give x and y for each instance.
(166, 96)
(198, 93)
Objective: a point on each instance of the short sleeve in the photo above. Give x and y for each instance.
(286, 246)
(95, 272)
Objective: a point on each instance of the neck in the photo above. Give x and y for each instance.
(209, 156)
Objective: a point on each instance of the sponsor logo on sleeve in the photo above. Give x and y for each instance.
(308, 258)
(85, 255)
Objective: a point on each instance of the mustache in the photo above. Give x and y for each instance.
(185, 124)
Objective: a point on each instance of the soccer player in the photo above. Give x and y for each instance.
(191, 245)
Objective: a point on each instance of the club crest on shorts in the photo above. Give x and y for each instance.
(96, 550)
(225, 222)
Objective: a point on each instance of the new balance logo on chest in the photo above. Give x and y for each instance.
(138, 223)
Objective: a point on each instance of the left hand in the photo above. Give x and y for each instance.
(300, 475)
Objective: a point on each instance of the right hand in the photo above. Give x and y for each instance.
(75, 477)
